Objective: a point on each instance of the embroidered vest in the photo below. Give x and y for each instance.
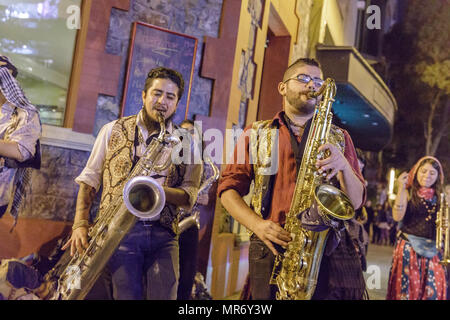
(118, 160)
(263, 145)
(118, 164)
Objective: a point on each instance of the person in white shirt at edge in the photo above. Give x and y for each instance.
(20, 128)
(150, 250)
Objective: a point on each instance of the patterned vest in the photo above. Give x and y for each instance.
(263, 146)
(118, 160)
(118, 164)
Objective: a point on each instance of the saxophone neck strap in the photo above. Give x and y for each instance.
(137, 141)
(298, 148)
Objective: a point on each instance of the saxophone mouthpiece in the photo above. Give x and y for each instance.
(311, 94)
(315, 94)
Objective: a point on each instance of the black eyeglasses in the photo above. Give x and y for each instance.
(304, 78)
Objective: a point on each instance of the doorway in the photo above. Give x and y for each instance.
(276, 60)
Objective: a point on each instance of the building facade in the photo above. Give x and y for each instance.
(243, 48)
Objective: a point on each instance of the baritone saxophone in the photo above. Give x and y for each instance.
(142, 198)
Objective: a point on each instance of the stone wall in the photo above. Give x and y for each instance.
(53, 189)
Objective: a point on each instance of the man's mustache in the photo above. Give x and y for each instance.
(310, 94)
(159, 107)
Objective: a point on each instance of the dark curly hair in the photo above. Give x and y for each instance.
(165, 73)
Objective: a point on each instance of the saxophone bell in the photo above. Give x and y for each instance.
(330, 205)
(144, 197)
(333, 203)
(192, 220)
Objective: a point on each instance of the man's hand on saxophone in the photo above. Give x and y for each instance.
(78, 242)
(270, 232)
(334, 163)
(267, 231)
(337, 165)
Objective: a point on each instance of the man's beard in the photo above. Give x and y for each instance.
(153, 122)
(295, 99)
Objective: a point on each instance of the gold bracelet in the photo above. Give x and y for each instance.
(81, 223)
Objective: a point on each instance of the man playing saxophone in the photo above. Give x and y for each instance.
(340, 274)
(150, 250)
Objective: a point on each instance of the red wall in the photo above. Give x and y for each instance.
(276, 59)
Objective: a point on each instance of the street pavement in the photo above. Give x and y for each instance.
(379, 260)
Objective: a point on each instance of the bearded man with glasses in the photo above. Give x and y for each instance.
(341, 267)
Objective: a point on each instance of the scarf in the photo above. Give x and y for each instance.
(426, 193)
(13, 93)
(413, 171)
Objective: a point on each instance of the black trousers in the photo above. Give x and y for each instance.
(261, 261)
(188, 243)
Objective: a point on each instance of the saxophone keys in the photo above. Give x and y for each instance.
(303, 263)
(306, 242)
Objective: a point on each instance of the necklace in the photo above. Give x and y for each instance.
(297, 130)
(293, 124)
(430, 207)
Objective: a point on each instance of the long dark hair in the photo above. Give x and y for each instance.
(437, 186)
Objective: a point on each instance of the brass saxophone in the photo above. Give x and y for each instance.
(442, 230)
(296, 270)
(73, 277)
(195, 217)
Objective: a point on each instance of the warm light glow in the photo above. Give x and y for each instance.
(391, 182)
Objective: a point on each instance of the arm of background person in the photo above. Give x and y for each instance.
(10, 149)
